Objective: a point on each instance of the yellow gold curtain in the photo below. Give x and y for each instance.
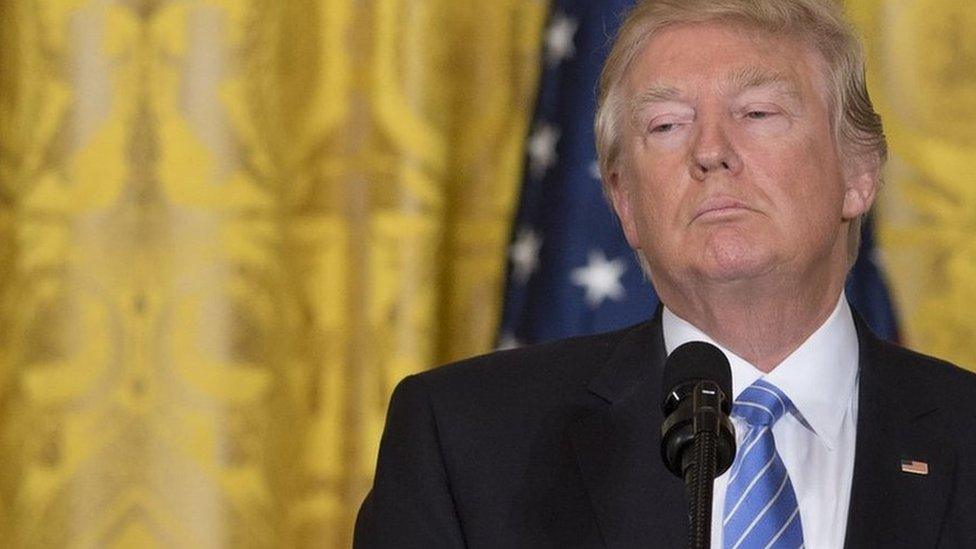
(228, 227)
(922, 75)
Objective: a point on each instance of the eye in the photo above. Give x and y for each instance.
(669, 121)
(759, 115)
(664, 128)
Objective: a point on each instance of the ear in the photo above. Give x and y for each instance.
(623, 204)
(861, 185)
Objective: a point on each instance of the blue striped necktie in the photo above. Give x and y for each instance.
(760, 505)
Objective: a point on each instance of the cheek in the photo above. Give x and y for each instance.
(825, 179)
(815, 193)
(659, 195)
(808, 169)
(661, 168)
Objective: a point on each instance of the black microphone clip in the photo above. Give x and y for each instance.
(694, 407)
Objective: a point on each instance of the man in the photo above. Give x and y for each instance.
(739, 149)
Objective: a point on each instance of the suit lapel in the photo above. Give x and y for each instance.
(895, 421)
(618, 448)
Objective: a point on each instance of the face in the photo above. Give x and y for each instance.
(728, 168)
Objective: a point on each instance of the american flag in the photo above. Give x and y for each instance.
(914, 467)
(570, 270)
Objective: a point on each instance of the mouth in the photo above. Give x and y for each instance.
(720, 207)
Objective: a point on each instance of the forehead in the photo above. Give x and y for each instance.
(686, 57)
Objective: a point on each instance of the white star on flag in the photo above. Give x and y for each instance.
(524, 253)
(542, 149)
(600, 278)
(508, 341)
(559, 39)
(595, 170)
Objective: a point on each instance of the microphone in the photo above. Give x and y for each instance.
(697, 437)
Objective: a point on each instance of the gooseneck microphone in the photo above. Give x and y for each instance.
(697, 438)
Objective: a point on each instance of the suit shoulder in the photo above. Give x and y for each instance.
(921, 370)
(927, 364)
(534, 376)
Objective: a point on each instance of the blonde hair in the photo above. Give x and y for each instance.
(857, 127)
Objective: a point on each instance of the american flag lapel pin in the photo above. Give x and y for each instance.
(914, 467)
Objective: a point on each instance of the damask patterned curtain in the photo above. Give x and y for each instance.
(229, 227)
(922, 76)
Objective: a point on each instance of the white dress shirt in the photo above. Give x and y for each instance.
(817, 448)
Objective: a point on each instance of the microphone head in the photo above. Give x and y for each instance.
(695, 361)
(697, 399)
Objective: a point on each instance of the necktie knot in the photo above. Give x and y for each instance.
(761, 404)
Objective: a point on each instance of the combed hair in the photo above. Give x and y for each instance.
(857, 128)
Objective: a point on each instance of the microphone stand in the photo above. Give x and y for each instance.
(699, 463)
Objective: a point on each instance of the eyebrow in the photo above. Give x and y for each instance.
(759, 77)
(738, 80)
(656, 94)
(653, 94)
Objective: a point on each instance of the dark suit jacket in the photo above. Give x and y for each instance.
(557, 445)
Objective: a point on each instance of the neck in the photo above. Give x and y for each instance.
(762, 323)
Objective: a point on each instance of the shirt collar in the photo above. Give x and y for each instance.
(820, 376)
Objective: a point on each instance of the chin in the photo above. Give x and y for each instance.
(731, 263)
(733, 273)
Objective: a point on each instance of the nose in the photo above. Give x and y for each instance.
(713, 151)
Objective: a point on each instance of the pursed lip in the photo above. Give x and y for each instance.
(718, 204)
